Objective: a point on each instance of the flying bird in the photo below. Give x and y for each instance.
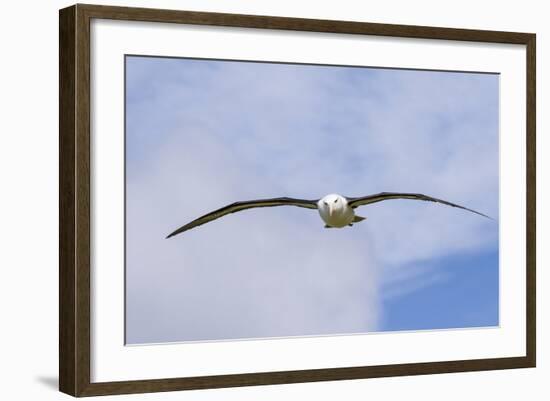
(337, 211)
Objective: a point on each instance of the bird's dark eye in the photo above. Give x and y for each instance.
(325, 203)
(335, 200)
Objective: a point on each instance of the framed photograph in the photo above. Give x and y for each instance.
(250, 200)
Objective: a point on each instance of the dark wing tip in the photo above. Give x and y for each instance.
(481, 214)
(170, 235)
(484, 215)
(178, 231)
(455, 205)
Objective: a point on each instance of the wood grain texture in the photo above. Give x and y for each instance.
(67, 294)
(302, 376)
(82, 201)
(74, 199)
(74, 206)
(531, 228)
(301, 24)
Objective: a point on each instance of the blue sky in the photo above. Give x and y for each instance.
(201, 134)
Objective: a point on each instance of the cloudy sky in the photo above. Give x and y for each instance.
(201, 134)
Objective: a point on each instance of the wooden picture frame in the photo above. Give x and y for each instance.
(74, 200)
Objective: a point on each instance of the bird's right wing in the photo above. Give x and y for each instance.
(239, 206)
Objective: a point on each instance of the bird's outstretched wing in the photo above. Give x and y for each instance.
(238, 206)
(382, 196)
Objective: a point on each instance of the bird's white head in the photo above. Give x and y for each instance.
(332, 204)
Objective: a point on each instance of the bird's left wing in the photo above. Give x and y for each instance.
(382, 196)
(239, 206)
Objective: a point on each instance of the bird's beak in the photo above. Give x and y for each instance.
(330, 210)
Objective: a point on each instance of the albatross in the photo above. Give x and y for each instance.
(336, 211)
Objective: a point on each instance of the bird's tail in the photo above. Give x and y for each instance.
(358, 219)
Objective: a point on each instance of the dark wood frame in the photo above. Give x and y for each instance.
(74, 199)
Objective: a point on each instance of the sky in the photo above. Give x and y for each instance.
(201, 134)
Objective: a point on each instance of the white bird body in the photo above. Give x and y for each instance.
(335, 211)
